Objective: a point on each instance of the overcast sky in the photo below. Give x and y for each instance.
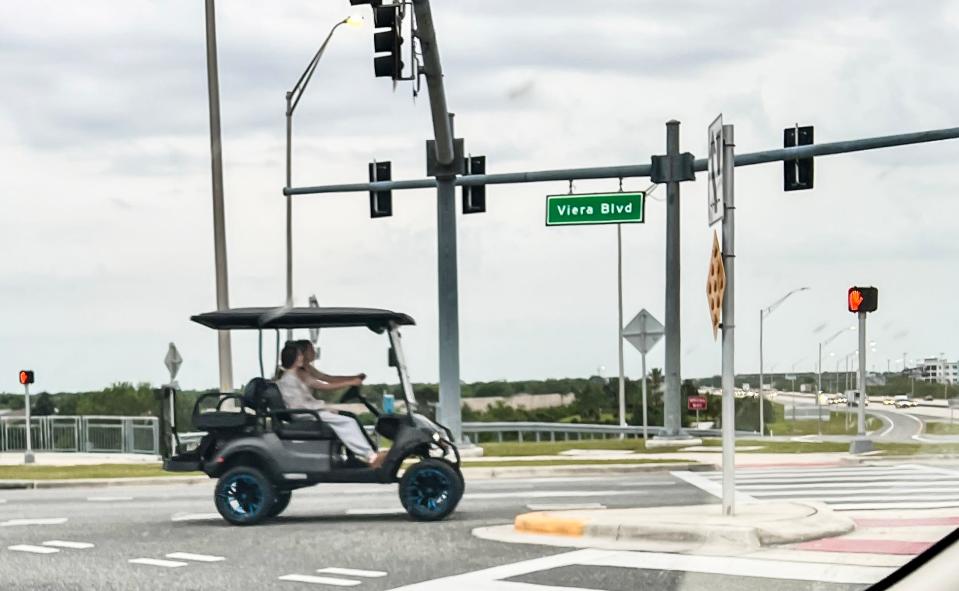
(107, 218)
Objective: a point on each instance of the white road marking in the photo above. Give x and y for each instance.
(157, 562)
(2, 501)
(65, 544)
(491, 579)
(538, 494)
(320, 580)
(195, 517)
(563, 506)
(108, 499)
(196, 557)
(375, 511)
(351, 572)
(42, 521)
(710, 487)
(33, 549)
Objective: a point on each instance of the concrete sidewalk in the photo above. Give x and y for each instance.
(700, 528)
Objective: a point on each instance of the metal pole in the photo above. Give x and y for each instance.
(219, 225)
(289, 206)
(449, 358)
(819, 396)
(645, 421)
(729, 325)
(619, 327)
(761, 418)
(671, 398)
(28, 454)
(862, 373)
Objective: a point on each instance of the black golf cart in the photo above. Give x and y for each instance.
(262, 451)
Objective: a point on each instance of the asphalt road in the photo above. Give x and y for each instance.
(899, 425)
(355, 527)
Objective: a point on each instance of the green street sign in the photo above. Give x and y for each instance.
(595, 208)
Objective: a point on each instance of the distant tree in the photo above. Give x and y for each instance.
(43, 405)
(655, 379)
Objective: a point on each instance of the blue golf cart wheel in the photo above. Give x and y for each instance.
(430, 490)
(244, 496)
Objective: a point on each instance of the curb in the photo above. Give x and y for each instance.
(578, 470)
(820, 522)
(99, 482)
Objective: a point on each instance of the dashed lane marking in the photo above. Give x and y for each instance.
(108, 499)
(195, 517)
(66, 544)
(539, 494)
(351, 572)
(320, 580)
(43, 521)
(374, 511)
(196, 557)
(33, 549)
(157, 562)
(563, 506)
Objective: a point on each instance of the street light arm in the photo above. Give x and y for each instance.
(769, 309)
(307, 74)
(839, 333)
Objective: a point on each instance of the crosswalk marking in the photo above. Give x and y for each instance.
(351, 572)
(320, 580)
(33, 549)
(846, 488)
(195, 517)
(42, 521)
(65, 544)
(195, 557)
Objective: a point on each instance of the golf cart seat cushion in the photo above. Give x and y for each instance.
(304, 429)
(222, 420)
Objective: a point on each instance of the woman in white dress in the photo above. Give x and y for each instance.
(295, 385)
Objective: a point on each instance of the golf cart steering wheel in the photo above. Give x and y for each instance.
(353, 393)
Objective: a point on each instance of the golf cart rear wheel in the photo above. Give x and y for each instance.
(430, 490)
(244, 496)
(281, 503)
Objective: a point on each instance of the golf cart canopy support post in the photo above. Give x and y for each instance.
(643, 170)
(400, 356)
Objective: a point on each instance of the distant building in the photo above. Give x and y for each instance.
(937, 370)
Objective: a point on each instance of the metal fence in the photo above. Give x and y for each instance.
(82, 434)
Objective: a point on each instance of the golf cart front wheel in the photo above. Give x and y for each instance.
(430, 490)
(244, 496)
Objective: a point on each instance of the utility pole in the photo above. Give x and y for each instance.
(219, 225)
(672, 421)
(445, 174)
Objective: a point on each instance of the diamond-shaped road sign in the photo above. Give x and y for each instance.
(643, 331)
(716, 197)
(716, 285)
(173, 361)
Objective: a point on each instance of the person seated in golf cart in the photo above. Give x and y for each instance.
(295, 386)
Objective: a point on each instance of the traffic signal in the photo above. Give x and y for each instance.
(388, 42)
(474, 196)
(26, 377)
(797, 174)
(381, 202)
(863, 299)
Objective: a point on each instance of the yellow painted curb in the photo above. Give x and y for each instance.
(547, 523)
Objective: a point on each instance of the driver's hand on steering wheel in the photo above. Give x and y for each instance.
(361, 376)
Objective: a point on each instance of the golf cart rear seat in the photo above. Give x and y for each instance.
(221, 420)
(288, 423)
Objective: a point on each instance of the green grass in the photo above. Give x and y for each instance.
(838, 424)
(783, 447)
(549, 448)
(511, 463)
(942, 429)
(89, 471)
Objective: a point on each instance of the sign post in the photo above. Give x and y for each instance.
(643, 332)
(173, 361)
(696, 403)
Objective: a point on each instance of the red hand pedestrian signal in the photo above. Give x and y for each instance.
(863, 299)
(26, 377)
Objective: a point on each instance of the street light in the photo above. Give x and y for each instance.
(763, 312)
(839, 333)
(292, 100)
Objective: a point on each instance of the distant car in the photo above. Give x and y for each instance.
(906, 403)
(928, 398)
(888, 400)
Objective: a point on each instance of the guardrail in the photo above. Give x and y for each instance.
(101, 433)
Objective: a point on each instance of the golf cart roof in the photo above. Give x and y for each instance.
(258, 318)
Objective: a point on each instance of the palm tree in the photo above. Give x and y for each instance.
(655, 379)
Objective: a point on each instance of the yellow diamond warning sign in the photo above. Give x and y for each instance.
(716, 285)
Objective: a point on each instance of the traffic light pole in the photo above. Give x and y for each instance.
(672, 420)
(862, 374)
(446, 268)
(28, 454)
